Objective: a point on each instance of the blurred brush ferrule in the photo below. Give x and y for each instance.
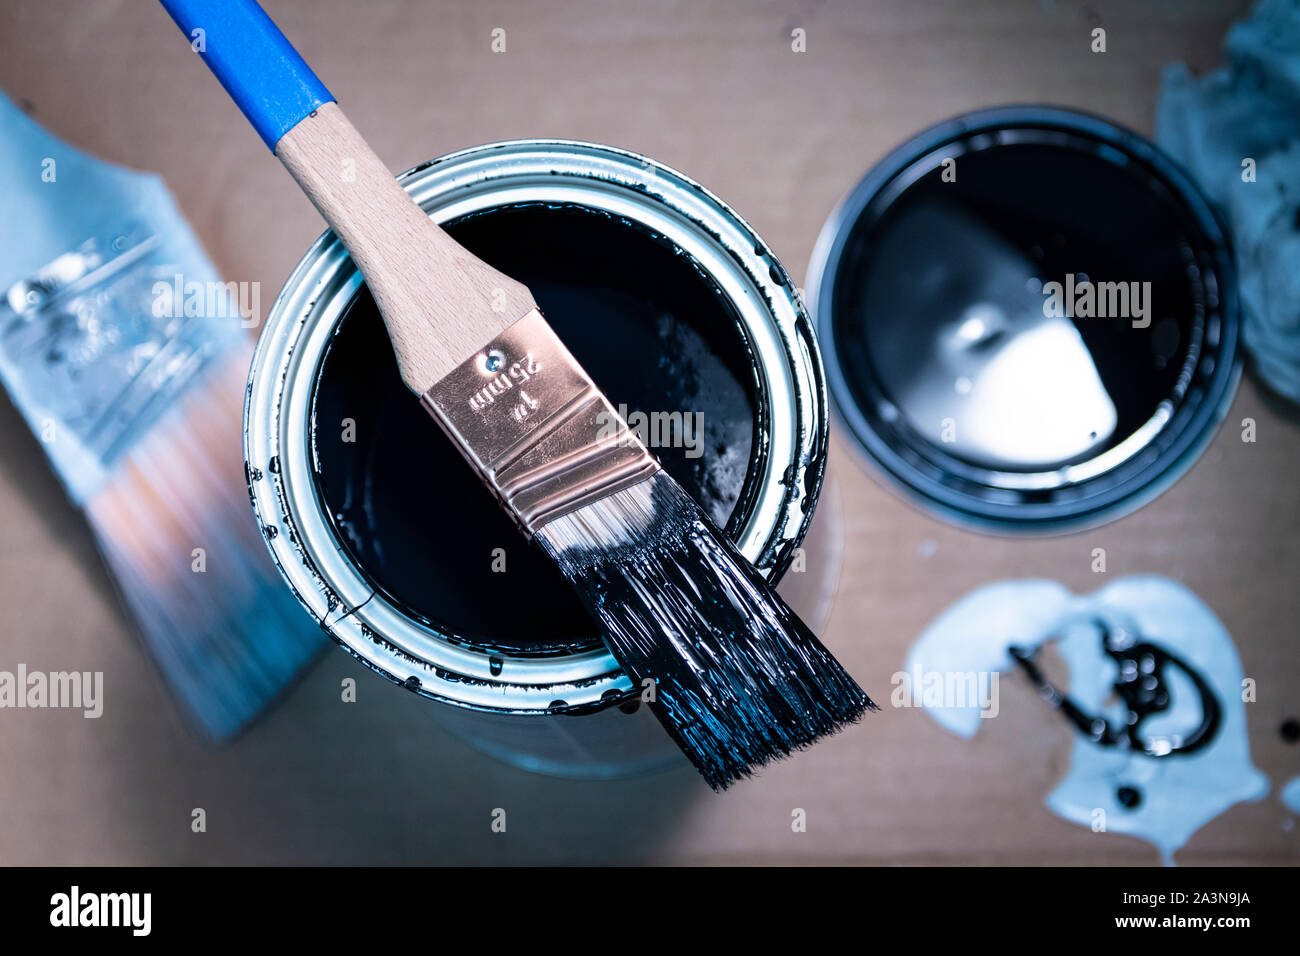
(536, 428)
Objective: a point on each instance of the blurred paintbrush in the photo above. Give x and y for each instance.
(138, 403)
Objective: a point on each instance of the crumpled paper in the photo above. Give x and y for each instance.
(1237, 131)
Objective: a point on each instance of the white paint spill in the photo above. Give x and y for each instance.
(1180, 793)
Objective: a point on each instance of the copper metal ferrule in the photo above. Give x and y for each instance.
(524, 413)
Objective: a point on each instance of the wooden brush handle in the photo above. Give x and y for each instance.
(440, 302)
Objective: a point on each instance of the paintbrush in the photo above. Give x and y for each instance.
(730, 671)
(139, 410)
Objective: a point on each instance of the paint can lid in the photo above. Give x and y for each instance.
(1029, 319)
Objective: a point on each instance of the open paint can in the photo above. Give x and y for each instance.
(684, 319)
(1030, 319)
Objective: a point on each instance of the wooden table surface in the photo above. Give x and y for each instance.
(714, 90)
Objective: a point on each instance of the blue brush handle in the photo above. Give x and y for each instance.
(259, 68)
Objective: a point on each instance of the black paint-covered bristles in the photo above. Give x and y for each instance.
(738, 679)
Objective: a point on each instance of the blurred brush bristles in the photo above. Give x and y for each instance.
(739, 679)
(227, 637)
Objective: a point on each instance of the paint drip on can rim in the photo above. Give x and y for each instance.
(682, 316)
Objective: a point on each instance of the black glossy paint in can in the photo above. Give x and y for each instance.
(660, 336)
